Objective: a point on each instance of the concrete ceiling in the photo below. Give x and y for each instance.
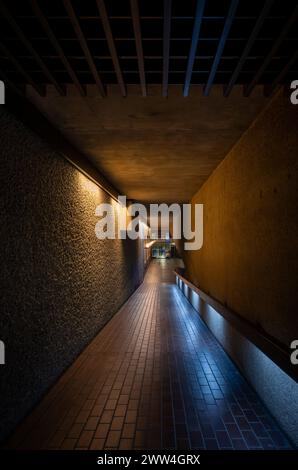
(153, 149)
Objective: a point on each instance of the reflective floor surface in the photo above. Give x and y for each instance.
(154, 378)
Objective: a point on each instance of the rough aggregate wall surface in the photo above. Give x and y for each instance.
(249, 257)
(60, 284)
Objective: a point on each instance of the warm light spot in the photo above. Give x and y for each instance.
(88, 185)
(150, 244)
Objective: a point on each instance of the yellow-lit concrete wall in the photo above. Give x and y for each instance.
(249, 257)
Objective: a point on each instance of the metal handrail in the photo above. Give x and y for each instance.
(278, 353)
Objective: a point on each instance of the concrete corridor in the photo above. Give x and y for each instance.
(155, 378)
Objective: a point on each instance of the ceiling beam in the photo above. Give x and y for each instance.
(8, 83)
(6, 14)
(81, 38)
(45, 24)
(270, 89)
(248, 89)
(156, 57)
(155, 39)
(248, 46)
(38, 88)
(157, 71)
(154, 17)
(194, 44)
(111, 43)
(138, 39)
(221, 45)
(166, 45)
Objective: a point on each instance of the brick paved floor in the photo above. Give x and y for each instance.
(154, 378)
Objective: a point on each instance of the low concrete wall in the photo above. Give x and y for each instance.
(277, 390)
(59, 283)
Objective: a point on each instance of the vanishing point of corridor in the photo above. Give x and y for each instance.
(155, 378)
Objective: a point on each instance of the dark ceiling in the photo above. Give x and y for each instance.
(66, 56)
(148, 42)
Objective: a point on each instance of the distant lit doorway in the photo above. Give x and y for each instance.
(164, 250)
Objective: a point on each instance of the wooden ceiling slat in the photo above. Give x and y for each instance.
(277, 43)
(50, 34)
(20, 69)
(111, 43)
(161, 51)
(6, 14)
(81, 38)
(221, 45)
(194, 44)
(139, 47)
(166, 45)
(248, 46)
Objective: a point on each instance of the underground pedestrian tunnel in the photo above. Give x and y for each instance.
(123, 343)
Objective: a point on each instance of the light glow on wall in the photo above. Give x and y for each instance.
(87, 184)
(149, 244)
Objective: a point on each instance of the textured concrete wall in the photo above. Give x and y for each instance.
(59, 283)
(250, 254)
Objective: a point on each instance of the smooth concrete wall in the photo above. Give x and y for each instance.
(249, 257)
(59, 283)
(277, 390)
